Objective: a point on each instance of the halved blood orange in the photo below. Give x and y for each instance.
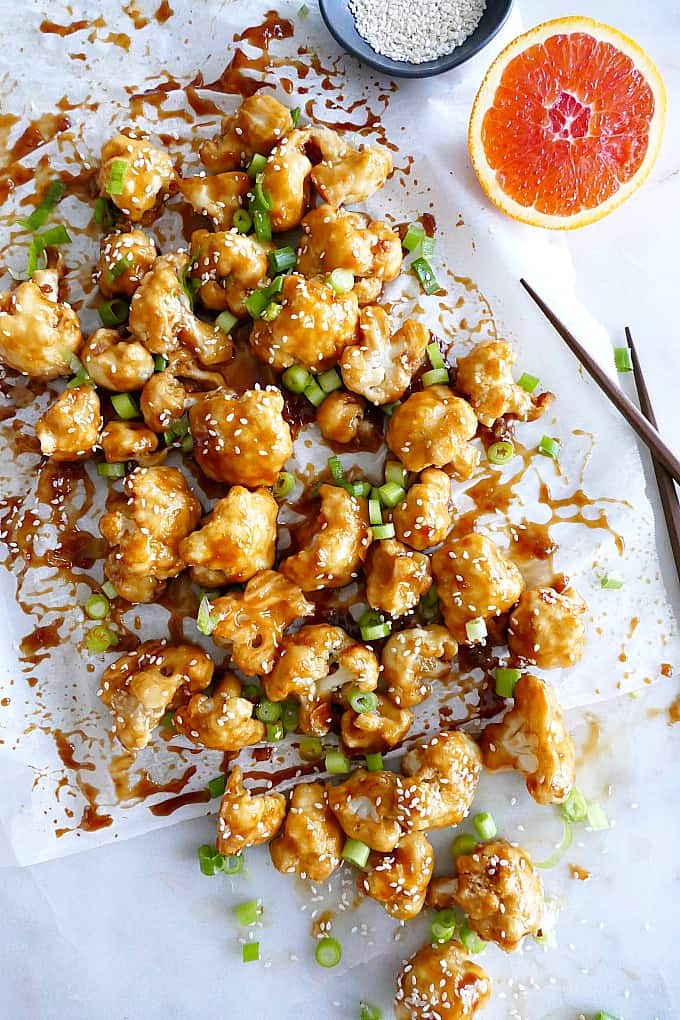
(567, 123)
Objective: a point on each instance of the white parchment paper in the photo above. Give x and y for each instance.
(480, 257)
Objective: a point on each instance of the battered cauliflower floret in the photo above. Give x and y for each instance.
(485, 377)
(311, 842)
(396, 577)
(547, 628)
(241, 439)
(410, 658)
(247, 819)
(533, 739)
(433, 428)
(379, 730)
(237, 538)
(338, 545)
(317, 665)
(287, 176)
(352, 177)
(127, 440)
(147, 172)
(162, 401)
(140, 687)
(501, 893)
(440, 982)
(229, 266)
(39, 334)
(257, 125)
(380, 366)
(115, 364)
(337, 239)
(218, 197)
(473, 580)
(253, 622)
(223, 720)
(399, 880)
(443, 776)
(424, 518)
(368, 807)
(145, 532)
(69, 428)
(161, 318)
(340, 416)
(313, 327)
(124, 260)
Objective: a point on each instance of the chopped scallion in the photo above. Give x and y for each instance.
(109, 590)
(250, 952)
(311, 749)
(125, 406)
(340, 280)
(471, 940)
(336, 469)
(315, 395)
(226, 321)
(443, 926)
(295, 115)
(160, 363)
(290, 716)
(121, 266)
(435, 377)
(329, 381)
(369, 1012)
(328, 952)
(268, 711)
(295, 378)
(575, 807)
(391, 494)
(560, 849)
(251, 692)
(272, 311)
(374, 761)
(242, 221)
(284, 484)
(111, 470)
(395, 472)
(209, 860)
(282, 259)
(376, 631)
(435, 355)
(465, 843)
(303, 11)
(100, 639)
(114, 313)
(104, 213)
(623, 360)
(97, 607)
(355, 852)
(362, 701)
(501, 452)
(550, 447)
(597, 819)
(337, 763)
(262, 198)
(528, 382)
(206, 620)
(167, 721)
(256, 165)
(54, 237)
(53, 196)
(413, 236)
(217, 786)
(604, 1015)
(612, 581)
(374, 512)
(485, 826)
(381, 532)
(427, 247)
(262, 223)
(389, 409)
(275, 731)
(117, 176)
(476, 630)
(232, 865)
(429, 605)
(423, 270)
(506, 681)
(360, 490)
(247, 913)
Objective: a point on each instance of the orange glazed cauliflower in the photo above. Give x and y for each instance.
(433, 428)
(114, 363)
(378, 730)
(380, 365)
(368, 808)
(396, 577)
(218, 197)
(124, 260)
(338, 239)
(310, 844)
(440, 983)
(259, 123)
(69, 428)
(39, 334)
(399, 880)
(424, 518)
(247, 819)
(547, 628)
(412, 657)
(442, 779)
(142, 170)
(223, 720)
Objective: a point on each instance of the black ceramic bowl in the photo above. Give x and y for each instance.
(340, 23)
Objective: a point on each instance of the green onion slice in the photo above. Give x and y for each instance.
(242, 221)
(337, 763)
(427, 247)
(53, 196)
(296, 378)
(612, 581)
(396, 472)
(328, 952)
(100, 639)
(476, 629)
(550, 447)
(389, 409)
(247, 913)
(329, 381)
(121, 266)
(443, 926)
(465, 843)
(251, 692)
(575, 807)
(381, 532)
(597, 819)
(311, 749)
(413, 236)
(272, 311)
(217, 786)
(268, 711)
(506, 681)
(97, 607)
(374, 511)
(604, 1015)
(429, 605)
(362, 701)
(284, 484)
(374, 761)
(391, 494)
(485, 826)
(114, 313)
(623, 360)
(111, 470)
(256, 165)
(528, 382)
(125, 406)
(275, 731)
(435, 356)
(54, 237)
(360, 490)
(261, 198)
(303, 11)
(336, 469)
(206, 620)
(560, 849)
(282, 259)
(226, 321)
(471, 940)
(295, 115)
(160, 363)
(423, 270)
(369, 1012)
(167, 721)
(117, 176)
(104, 213)
(315, 395)
(340, 280)
(262, 223)
(376, 631)
(436, 377)
(232, 865)
(501, 452)
(109, 590)
(250, 952)
(290, 716)
(355, 852)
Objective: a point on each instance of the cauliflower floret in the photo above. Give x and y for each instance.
(396, 577)
(340, 416)
(253, 621)
(440, 982)
(473, 580)
(256, 126)
(485, 377)
(432, 428)
(241, 439)
(399, 880)
(352, 177)
(247, 819)
(69, 428)
(379, 730)
(368, 807)
(229, 266)
(223, 720)
(39, 334)
(533, 739)
(313, 327)
(127, 440)
(124, 260)
(146, 531)
(501, 893)
(443, 776)
(237, 538)
(338, 545)
(147, 172)
(336, 239)
(116, 364)
(412, 657)
(140, 686)
(380, 366)
(162, 400)
(311, 842)
(547, 628)
(161, 318)
(424, 518)
(286, 177)
(317, 665)
(218, 197)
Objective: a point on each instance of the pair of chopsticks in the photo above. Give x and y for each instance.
(666, 464)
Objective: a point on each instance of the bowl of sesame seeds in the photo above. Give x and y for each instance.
(414, 38)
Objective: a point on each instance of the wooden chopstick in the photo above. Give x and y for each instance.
(667, 491)
(645, 430)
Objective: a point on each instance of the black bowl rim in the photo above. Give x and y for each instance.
(401, 68)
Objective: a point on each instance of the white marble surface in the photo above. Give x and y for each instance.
(133, 930)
